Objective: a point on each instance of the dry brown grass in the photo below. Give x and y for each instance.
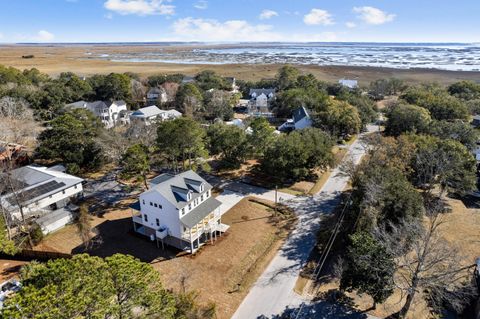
(224, 272)
(461, 229)
(10, 269)
(56, 59)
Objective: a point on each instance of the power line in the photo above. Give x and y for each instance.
(325, 253)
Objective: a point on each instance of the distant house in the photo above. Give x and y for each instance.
(301, 119)
(180, 211)
(351, 84)
(41, 194)
(110, 112)
(150, 114)
(260, 100)
(157, 94)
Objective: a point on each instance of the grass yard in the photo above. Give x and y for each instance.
(461, 228)
(220, 273)
(224, 272)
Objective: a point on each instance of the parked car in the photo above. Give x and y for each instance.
(7, 289)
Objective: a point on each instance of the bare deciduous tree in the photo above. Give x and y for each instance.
(84, 227)
(428, 264)
(17, 122)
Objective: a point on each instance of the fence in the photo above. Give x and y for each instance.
(28, 255)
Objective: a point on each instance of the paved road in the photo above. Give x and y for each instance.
(272, 296)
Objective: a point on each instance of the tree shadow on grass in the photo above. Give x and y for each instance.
(117, 236)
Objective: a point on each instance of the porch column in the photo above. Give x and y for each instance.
(191, 241)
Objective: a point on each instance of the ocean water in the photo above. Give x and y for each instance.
(445, 56)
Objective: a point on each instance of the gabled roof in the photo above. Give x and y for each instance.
(170, 186)
(173, 113)
(260, 91)
(300, 114)
(97, 105)
(148, 111)
(34, 183)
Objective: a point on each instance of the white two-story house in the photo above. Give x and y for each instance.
(180, 211)
(41, 194)
(260, 100)
(110, 112)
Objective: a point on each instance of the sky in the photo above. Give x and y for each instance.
(239, 21)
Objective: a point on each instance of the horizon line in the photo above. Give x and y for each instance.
(232, 43)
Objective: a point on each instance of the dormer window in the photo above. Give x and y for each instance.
(201, 188)
(189, 196)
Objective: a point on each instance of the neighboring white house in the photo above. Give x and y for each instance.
(110, 112)
(260, 100)
(42, 194)
(351, 84)
(151, 114)
(179, 210)
(301, 119)
(157, 94)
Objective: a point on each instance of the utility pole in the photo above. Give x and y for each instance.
(276, 192)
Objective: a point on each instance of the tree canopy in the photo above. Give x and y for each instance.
(228, 141)
(295, 155)
(440, 104)
(85, 286)
(181, 140)
(70, 138)
(403, 118)
(368, 268)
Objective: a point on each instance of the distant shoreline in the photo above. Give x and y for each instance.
(56, 59)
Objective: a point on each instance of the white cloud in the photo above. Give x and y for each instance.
(140, 7)
(191, 29)
(318, 17)
(268, 14)
(44, 36)
(201, 5)
(351, 25)
(371, 15)
(108, 16)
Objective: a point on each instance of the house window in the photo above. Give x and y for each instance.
(143, 201)
(155, 205)
(183, 211)
(184, 228)
(158, 222)
(63, 192)
(189, 206)
(151, 204)
(145, 217)
(160, 206)
(50, 196)
(201, 198)
(75, 186)
(201, 188)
